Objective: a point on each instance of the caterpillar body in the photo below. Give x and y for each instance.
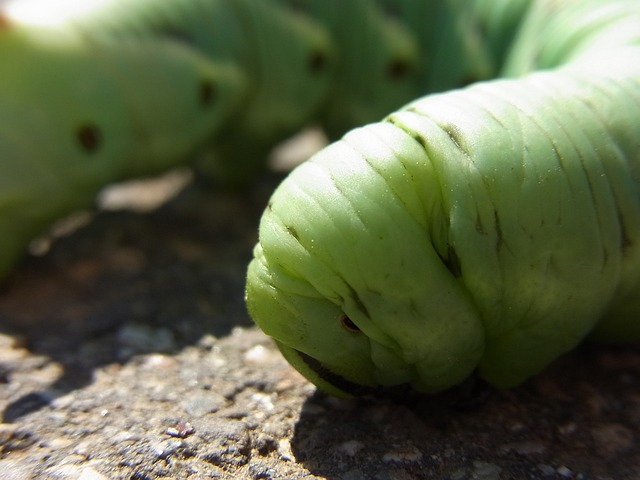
(490, 228)
(287, 58)
(77, 121)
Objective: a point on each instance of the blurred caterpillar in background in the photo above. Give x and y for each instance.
(490, 228)
(75, 120)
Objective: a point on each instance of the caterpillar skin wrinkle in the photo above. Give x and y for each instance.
(488, 229)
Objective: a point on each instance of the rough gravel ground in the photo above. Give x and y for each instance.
(126, 353)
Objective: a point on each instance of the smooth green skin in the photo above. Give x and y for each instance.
(288, 59)
(377, 66)
(274, 48)
(449, 34)
(145, 105)
(491, 228)
(292, 60)
(551, 36)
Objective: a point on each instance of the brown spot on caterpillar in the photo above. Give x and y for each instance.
(452, 262)
(456, 136)
(89, 137)
(420, 139)
(317, 62)
(348, 324)
(398, 68)
(297, 7)
(500, 239)
(293, 232)
(626, 241)
(392, 12)
(178, 34)
(207, 92)
(358, 302)
(415, 135)
(479, 226)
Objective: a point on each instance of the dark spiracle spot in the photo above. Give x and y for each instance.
(452, 262)
(392, 12)
(89, 137)
(348, 324)
(297, 7)
(398, 69)
(207, 93)
(317, 61)
(176, 33)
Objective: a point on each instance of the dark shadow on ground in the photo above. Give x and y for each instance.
(131, 283)
(579, 419)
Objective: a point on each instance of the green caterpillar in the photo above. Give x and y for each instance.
(378, 62)
(490, 228)
(274, 90)
(307, 62)
(285, 86)
(77, 121)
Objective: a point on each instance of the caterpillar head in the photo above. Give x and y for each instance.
(346, 277)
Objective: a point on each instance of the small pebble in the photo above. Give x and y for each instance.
(263, 400)
(351, 448)
(486, 471)
(256, 355)
(165, 448)
(564, 472)
(404, 455)
(547, 470)
(284, 449)
(143, 339)
(202, 403)
(181, 430)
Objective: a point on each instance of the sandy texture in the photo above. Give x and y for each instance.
(126, 353)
